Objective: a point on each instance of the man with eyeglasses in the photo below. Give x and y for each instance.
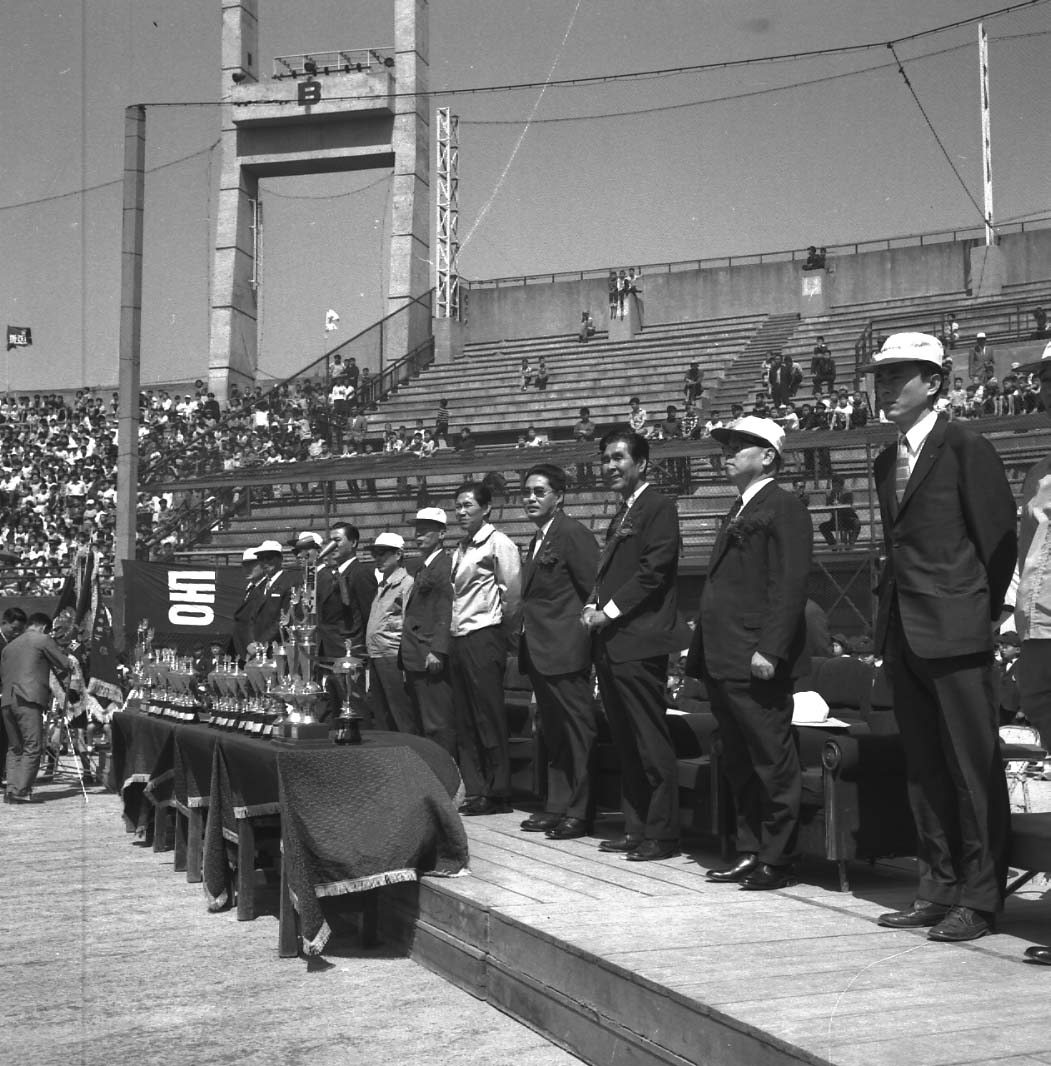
(749, 644)
(555, 652)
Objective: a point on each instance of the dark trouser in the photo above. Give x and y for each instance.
(948, 721)
(478, 662)
(432, 695)
(24, 726)
(566, 715)
(1034, 686)
(389, 697)
(761, 764)
(635, 704)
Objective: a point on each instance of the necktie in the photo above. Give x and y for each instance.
(616, 521)
(901, 470)
(735, 510)
(534, 547)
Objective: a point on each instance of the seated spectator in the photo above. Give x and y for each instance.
(693, 383)
(691, 422)
(790, 419)
(532, 438)
(815, 260)
(527, 373)
(671, 427)
(586, 329)
(842, 413)
(844, 525)
(540, 380)
(840, 646)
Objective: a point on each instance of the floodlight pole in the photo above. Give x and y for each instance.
(987, 155)
(130, 334)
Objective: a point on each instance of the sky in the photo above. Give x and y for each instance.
(731, 161)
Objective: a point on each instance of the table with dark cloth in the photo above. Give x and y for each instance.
(141, 764)
(353, 818)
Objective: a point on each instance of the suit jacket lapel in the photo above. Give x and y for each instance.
(529, 566)
(924, 462)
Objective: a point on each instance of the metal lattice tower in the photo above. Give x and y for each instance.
(447, 281)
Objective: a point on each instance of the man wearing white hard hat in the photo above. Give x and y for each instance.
(425, 632)
(749, 643)
(392, 706)
(1033, 601)
(275, 595)
(950, 545)
(244, 612)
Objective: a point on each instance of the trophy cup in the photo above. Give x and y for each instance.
(348, 724)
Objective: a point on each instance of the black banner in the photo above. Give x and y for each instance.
(181, 603)
(19, 337)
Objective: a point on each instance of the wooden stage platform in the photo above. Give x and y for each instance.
(647, 963)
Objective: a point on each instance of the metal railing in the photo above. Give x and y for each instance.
(341, 61)
(785, 256)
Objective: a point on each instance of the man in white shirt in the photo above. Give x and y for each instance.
(485, 571)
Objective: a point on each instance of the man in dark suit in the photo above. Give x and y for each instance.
(554, 650)
(12, 624)
(346, 588)
(244, 612)
(631, 615)
(424, 654)
(949, 527)
(749, 644)
(274, 595)
(25, 668)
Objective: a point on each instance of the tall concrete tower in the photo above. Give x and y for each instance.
(347, 109)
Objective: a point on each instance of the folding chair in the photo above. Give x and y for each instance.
(1020, 747)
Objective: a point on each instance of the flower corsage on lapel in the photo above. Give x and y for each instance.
(624, 530)
(546, 559)
(744, 526)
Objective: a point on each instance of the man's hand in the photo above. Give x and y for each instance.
(593, 619)
(433, 664)
(762, 667)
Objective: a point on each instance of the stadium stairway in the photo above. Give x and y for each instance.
(741, 381)
(484, 387)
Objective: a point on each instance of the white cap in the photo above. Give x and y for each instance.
(306, 540)
(248, 555)
(907, 348)
(270, 546)
(1036, 366)
(389, 540)
(982, 335)
(764, 430)
(432, 514)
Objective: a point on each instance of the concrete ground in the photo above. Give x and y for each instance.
(108, 957)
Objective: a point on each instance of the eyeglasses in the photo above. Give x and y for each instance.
(535, 494)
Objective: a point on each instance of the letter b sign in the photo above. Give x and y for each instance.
(309, 93)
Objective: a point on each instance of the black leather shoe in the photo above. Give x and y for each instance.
(1039, 953)
(960, 924)
(921, 913)
(651, 850)
(745, 865)
(540, 823)
(488, 805)
(11, 798)
(625, 843)
(468, 803)
(569, 829)
(765, 877)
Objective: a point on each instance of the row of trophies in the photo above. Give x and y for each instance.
(275, 695)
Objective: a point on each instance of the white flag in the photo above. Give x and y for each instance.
(331, 320)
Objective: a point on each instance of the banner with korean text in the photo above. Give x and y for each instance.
(181, 603)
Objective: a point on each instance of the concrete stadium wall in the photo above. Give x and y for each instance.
(542, 309)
